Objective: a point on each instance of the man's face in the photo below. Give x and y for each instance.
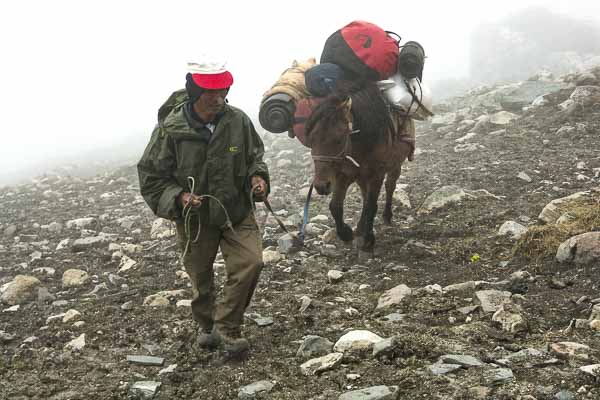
(212, 101)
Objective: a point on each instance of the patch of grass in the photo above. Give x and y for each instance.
(541, 242)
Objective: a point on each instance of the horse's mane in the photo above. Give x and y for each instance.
(369, 110)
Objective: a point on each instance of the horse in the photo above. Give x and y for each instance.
(355, 136)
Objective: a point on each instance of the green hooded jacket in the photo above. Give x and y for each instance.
(222, 167)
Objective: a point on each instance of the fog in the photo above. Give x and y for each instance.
(81, 81)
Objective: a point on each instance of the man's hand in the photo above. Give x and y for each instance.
(259, 187)
(186, 199)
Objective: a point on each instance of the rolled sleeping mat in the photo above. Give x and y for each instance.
(411, 60)
(276, 113)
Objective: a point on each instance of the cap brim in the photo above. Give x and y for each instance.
(222, 80)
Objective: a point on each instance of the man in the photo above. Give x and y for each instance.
(203, 168)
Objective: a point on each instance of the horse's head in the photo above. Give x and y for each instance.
(328, 132)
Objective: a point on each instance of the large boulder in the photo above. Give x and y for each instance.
(580, 249)
(20, 290)
(552, 211)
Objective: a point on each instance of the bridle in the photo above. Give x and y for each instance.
(342, 155)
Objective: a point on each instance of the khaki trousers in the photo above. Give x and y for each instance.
(242, 253)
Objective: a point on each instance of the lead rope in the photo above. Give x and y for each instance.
(269, 208)
(188, 214)
(302, 233)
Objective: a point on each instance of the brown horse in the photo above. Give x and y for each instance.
(354, 137)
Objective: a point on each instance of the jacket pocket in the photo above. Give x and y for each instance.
(191, 154)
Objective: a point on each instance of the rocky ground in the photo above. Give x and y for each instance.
(485, 287)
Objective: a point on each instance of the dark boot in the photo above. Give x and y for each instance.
(232, 341)
(207, 339)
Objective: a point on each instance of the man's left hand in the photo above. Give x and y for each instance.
(259, 187)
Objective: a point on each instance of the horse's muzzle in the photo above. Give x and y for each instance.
(323, 188)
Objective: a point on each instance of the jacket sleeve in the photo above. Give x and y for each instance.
(155, 171)
(254, 156)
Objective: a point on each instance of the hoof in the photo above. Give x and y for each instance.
(345, 233)
(387, 217)
(365, 255)
(368, 243)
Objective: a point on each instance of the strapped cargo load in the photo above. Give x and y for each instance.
(278, 104)
(363, 50)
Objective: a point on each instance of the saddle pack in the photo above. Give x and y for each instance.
(364, 50)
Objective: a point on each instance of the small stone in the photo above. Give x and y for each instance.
(567, 350)
(313, 346)
(510, 318)
(460, 359)
(356, 340)
(523, 176)
(394, 317)
(352, 377)
(6, 337)
(169, 369)
(74, 278)
(499, 375)
(442, 368)
(320, 219)
(372, 393)
(146, 360)
(184, 303)
(260, 320)
(255, 389)
(71, 316)
(593, 370)
(393, 296)
(126, 264)
(271, 257)
(334, 276)
(564, 395)
(513, 229)
(77, 344)
(145, 389)
(316, 365)
(491, 300)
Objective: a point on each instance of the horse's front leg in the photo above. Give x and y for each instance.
(390, 186)
(369, 212)
(336, 206)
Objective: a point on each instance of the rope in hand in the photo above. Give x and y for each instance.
(188, 214)
(297, 241)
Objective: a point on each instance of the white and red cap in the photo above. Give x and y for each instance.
(212, 75)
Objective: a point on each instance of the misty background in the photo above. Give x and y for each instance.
(81, 82)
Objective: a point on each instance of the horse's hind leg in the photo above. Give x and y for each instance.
(360, 226)
(390, 186)
(336, 206)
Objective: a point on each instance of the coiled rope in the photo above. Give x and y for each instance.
(189, 211)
